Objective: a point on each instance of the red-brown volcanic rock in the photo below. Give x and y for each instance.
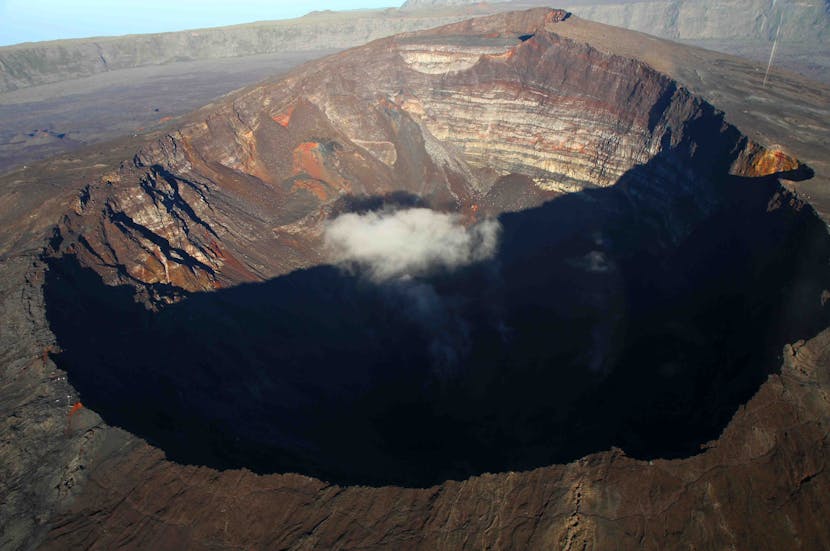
(442, 114)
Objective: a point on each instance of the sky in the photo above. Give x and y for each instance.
(34, 20)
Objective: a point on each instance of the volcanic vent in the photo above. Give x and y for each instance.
(620, 266)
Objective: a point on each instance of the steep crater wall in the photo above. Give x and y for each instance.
(240, 193)
(593, 327)
(638, 312)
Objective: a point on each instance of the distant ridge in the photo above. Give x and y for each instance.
(32, 64)
(740, 27)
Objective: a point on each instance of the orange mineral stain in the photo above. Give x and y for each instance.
(308, 160)
(284, 118)
(773, 161)
(76, 408)
(312, 186)
(72, 411)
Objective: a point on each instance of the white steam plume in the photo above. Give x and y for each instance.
(399, 245)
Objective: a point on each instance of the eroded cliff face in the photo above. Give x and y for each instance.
(453, 117)
(651, 270)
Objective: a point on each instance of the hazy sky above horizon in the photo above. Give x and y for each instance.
(35, 20)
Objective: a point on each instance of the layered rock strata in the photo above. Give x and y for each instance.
(239, 193)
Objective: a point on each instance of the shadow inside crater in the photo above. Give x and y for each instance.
(639, 316)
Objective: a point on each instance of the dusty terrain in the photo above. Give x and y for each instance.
(43, 121)
(60, 96)
(611, 168)
(739, 27)
(31, 64)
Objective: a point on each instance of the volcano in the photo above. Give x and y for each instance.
(591, 338)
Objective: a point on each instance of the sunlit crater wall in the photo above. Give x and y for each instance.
(241, 192)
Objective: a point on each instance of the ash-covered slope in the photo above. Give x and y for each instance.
(740, 27)
(621, 348)
(744, 28)
(691, 19)
(32, 64)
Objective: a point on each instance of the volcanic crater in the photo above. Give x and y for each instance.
(650, 266)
